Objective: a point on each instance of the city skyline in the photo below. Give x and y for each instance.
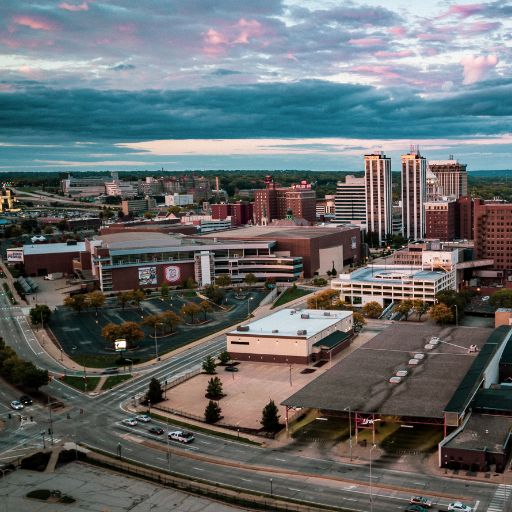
(89, 85)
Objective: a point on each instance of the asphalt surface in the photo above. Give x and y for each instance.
(281, 472)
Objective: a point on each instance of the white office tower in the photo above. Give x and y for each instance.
(414, 194)
(451, 176)
(350, 201)
(377, 174)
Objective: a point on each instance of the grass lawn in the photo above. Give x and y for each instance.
(79, 382)
(289, 295)
(114, 380)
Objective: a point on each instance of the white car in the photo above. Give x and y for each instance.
(16, 405)
(181, 436)
(485, 298)
(131, 422)
(460, 507)
(143, 417)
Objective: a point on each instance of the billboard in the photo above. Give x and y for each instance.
(119, 344)
(14, 254)
(172, 274)
(147, 276)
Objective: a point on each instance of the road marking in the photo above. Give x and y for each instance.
(296, 490)
(197, 469)
(246, 479)
(282, 460)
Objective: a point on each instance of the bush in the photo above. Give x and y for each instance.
(39, 494)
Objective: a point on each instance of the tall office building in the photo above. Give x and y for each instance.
(414, 190)
(451, 176)
(377, 175)
(350, 201)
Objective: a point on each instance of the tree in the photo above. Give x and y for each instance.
(40, 313)
(270, 417)
(155, 393)
(209, 366)
(223, 280)
(322, 300)
(420, 307)
(250, 279)
(170, 320)
(319, 281)
(95, 300)
(75, 302)
(48, 230)
(359, 321)
(131, 332)
(212, 413)
(214, 389)
(205, 307)
(27, 375)
(224, 357)
(123, 298)
(404, 308)
(502, 299)
(214, 293)
(152, 321)
(137, 296)
(190, 284)
(190, 309)
(111, 332)
(441, 313)
(164, 291)
(372, 310)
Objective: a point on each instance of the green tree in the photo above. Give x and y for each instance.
(319, 281)
(250, 279)
(214, 293)
(170, 320)
(214, 389)
(155, 393)
(48, 230)
(441, 313)
(124, 298)
(420, 307)
(40, 313)
(95, 300)
(212, 413)
(223, 280)
(372, 310)
(224, 357)
(164, 291)
(131, 332)
(270, 417)
(209, 365)
(75, 302)
(205, 307)
(404, 308)
(359, 321)
(502, 298)
(190, 309)
(27, 375)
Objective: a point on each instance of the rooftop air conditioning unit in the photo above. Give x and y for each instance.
(275, 330)
(327, 313)
(243, 328)
(302, 332)
(305, 316)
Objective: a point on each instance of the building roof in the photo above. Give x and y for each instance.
(475, 374)
(392, 274)
(334, 339)
(287, 322)
(483, 432)
(52, 248)
(280, 232)
(361, 380)
(493, 400)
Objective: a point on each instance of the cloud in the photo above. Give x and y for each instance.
(34, 23)
(476, 67)
(84, 6)
(224, 72)
(123, 67)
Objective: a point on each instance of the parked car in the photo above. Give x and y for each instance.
(143, 417)
(459, 507)
(131, 422)
(485, 298)
(16, 405)
(416, 508)
(156, 430)
(181, 436)
(231, 368)
(25, 400)
(420, 500)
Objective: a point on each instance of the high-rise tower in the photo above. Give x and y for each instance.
(451, 176)
(414, 189)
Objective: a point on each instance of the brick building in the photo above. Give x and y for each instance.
(440, 220)
(241, 213)
(465, 212)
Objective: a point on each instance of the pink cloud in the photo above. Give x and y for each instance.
(476, 67)
(84, 6)
(384, 71)
(465, 10)
(248, 29)
(365, 41)
(394, 55)
(217, 42)
(215, 37)
(34, 23)
(398, 31)
(480, 27)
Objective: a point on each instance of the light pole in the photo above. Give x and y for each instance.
(371, 489)
(271, 490)
(44, 443)
(156, 341)
(291, 375)
(456, 315)
(50, 428)
(349, 430)
(168, 449)
(248, 303)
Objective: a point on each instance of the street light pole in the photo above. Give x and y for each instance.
(456, 315)
(371, 489)
(156, 342)
(349, 430)
(291, 375)
(271, 490)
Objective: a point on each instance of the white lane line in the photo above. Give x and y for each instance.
(197, 469)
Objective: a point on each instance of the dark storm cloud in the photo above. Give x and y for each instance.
(303, 109)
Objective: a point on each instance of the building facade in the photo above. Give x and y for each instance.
(414, 189)
(377, 174)
(440, 220)
(350, 201)
(178, 199)
(451, 176)
(240, 213)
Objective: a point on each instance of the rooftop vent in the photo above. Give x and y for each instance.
(429, 346)
(275, 330)
(302, 332)
(243, 328)
(305, 316)
(327, 313)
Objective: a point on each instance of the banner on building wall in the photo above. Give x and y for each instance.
(147, 276)
(172, 274)
(14, 254)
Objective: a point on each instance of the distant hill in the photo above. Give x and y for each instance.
(497, 173)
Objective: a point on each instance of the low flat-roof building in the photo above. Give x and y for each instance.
(386, 284)
(290, 336)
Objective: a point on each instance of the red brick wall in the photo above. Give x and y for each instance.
(42, 264)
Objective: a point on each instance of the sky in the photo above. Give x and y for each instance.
(246, 84)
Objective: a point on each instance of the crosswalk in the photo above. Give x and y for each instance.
(503, 492)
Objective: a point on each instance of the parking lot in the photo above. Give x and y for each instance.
(80, 333)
